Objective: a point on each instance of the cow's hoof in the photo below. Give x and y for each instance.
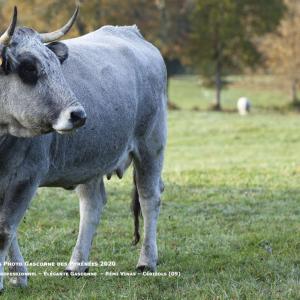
(67, 273)
(144, 268)
(19, 281)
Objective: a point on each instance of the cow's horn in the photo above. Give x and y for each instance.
(56, 35)
(6, 37)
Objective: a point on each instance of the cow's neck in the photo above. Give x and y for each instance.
(6, 141)
(11, 152)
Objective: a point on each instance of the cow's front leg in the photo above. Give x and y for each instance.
(18, 265)
(92, 200)
(12, 208)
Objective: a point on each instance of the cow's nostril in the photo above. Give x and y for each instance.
(78, 117)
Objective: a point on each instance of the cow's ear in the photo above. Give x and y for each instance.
(60, 50)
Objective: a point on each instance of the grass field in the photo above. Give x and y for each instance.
(265, 92)
(230, 218)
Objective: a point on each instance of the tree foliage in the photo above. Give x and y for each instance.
(282, 48)
(223, 35)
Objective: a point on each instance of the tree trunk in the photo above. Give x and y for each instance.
(218, 81)
(294, 92)
(168, 74)
(171, 105)
(168, 87)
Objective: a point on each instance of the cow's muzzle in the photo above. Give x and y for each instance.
(70, 119)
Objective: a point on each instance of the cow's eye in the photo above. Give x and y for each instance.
(28, 72)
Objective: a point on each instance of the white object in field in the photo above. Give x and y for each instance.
(243, 106)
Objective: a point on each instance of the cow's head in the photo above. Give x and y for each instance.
(34, 95)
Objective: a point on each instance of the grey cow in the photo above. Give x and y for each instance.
(111, 85)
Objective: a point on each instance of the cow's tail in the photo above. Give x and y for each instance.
(136, 210)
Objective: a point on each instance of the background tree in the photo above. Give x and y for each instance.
(223, 35)
(282, 48)
(172, 32)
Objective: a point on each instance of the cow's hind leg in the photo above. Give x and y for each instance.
(92, 200)
(148, 181)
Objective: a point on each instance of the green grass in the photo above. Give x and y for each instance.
(230, 218)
